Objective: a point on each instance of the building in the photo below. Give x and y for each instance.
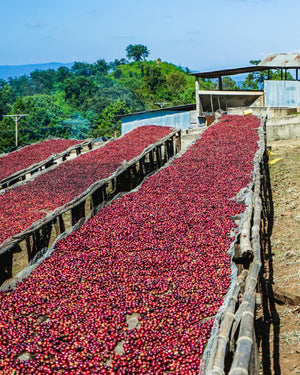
(281, 93)
(180, 117)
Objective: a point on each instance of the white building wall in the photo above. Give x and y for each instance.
(282, 93)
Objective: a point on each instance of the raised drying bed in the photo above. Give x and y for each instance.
(232, 348)
(26, 173)
(157, 256)
(43, 233)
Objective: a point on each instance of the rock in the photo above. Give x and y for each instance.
(286, 297)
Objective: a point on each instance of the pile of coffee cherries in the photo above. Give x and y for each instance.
(23, 205)
(158, 255)
(26, 156)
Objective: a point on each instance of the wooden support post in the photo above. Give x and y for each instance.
(170, 148)
(62, 226)
(77, 212)
(36, 245)
(123, 181)
(29, 246)
(158, 156)
(96, 199)
(151, 159)
(46, 231)
(296, 74)
(6, 265)
(143, 167)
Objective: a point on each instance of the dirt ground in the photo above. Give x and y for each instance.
(284, 164)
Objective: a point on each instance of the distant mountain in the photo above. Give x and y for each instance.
(13, 71)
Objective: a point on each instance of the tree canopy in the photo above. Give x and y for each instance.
(137, 52)
(83, 101)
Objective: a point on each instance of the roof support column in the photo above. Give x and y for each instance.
(211, 103)
(220, 83)
(198, 103)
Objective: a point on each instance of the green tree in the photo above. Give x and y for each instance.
(81, 69)
(176, 82)
(7, 97)
(21, 85)
(229, 84)
(78, 90)
(137, 52)
(120, 62)
(153, 78)
(62, 73)
(42, 81)
(100, 67)
(108, 124)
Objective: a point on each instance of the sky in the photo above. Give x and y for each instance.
(202, 35)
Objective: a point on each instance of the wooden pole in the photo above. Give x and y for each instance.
(16, 118)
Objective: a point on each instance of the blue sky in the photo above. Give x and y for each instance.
(201, 35)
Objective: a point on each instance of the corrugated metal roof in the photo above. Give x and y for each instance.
(281, 60)
(228, 72)
(183, 107)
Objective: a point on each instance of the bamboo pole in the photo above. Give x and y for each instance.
(223, 336)
(242, 320)
(241, 359)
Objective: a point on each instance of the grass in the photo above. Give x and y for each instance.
(292, 337)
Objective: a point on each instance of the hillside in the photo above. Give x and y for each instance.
(83, 101)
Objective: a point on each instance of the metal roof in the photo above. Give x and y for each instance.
(281, 60)
(229, 72)
(275, 61)
(179, 108)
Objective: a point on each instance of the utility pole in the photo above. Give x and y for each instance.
(161, 104)
(16, 118)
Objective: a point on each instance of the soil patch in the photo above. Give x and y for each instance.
(284, 166)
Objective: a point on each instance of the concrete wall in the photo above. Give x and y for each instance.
(281, 124)
(287, 127)
(282, 93)
(262, 111)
